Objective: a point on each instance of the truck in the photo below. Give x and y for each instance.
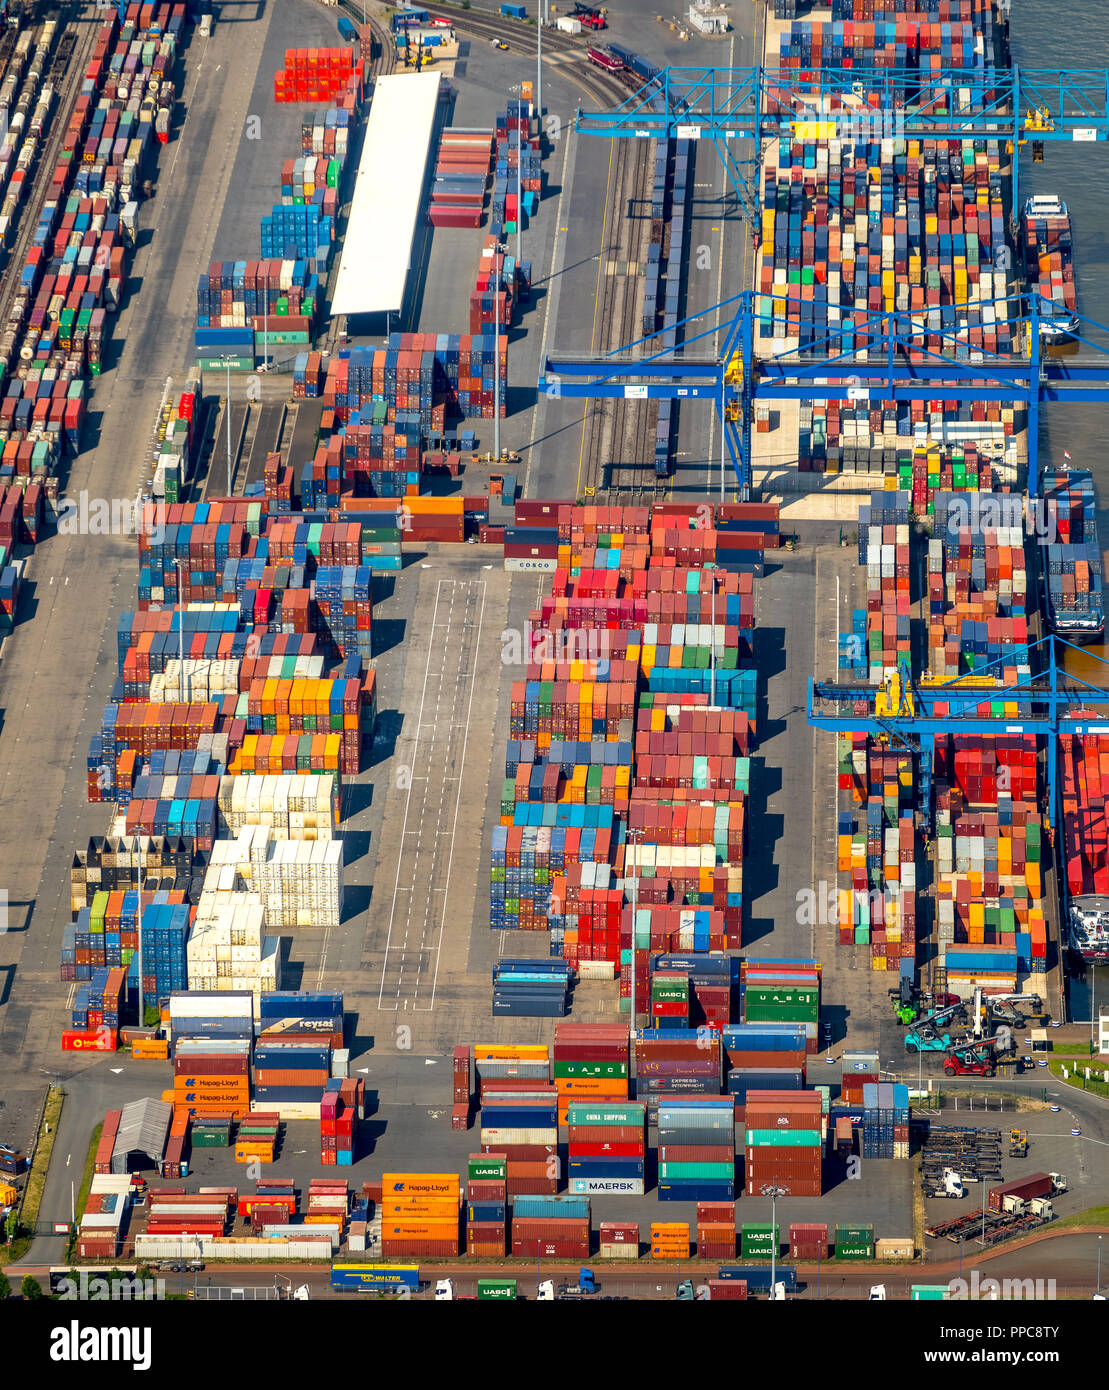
(757, 1277)
(592, 18)
(373, 1277)
(348, 30)
(1024, 1189)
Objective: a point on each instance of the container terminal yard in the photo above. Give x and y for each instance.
(550, 668)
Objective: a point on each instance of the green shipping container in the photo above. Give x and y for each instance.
(857, 1235)
(711, 1172)
(503, 1289)
(928, 1293)
(854, 1252)
(590, 1069)
(784, 1138)
(487, 1169)
(220, 364)
(600, 1114)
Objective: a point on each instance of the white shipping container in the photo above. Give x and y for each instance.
(609, 1187)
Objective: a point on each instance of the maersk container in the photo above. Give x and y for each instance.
(607, 1187)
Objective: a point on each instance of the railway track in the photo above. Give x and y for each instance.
(618, 455)
(66, 72)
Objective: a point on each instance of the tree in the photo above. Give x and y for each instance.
(11, 1226)
(5, 1287)
(30, 1288)
(152, 1016)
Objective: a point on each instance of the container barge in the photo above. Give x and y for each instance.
(1048, 246)
(1071, 556)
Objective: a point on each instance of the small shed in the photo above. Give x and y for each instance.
(143, 1131)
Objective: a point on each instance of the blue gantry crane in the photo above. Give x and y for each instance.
(1050, 704)
(898, 366)
(726, 106)
(723, 106)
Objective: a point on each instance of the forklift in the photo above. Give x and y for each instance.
(927, 1035)
(1018, 1143)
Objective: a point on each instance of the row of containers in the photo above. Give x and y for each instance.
(233, 1056)
(623, 807)
(69, 285)
(987, 810)
(264, 306)
(428, 1215)
(693, 1088)
(504, 162)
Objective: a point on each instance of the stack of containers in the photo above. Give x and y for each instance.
(668, 1061)
(173, 1212)
(764, 1056)
(101, 1224)
(859, 1068)
(977, 587)
(884, 550)
(299, 882)
(808, 1241)
(211, 1076)
(716, 1231)
(175, 441)
(618, 1240)
(989, 861)
(531, 988)
(344, 602)
(301, 1016)
(696, 1150)
(885, 1120)
(486, 1212)
(783, 991)
(524, 1070)
(100, 1002)
(328, 1203)
(590, 1064)
(606, 1147)
(314, 74)
(227, 948)
(760, 1241)
(257, 1138)
(219, 1025)
(274, 1203)
(420, 1214)
(854, 1242)
(430, 373)
(338, 1122)
(301, 806)
(76, 260)
(784, 1143)
(710, 985)
(879, 909)
(102, 1161)
(461, 177)
(522, 1124)
(462, 1087)
(670, 1240)
(550, 1227)
(291, 1074)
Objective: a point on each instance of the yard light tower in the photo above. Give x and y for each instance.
(772, 1191)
